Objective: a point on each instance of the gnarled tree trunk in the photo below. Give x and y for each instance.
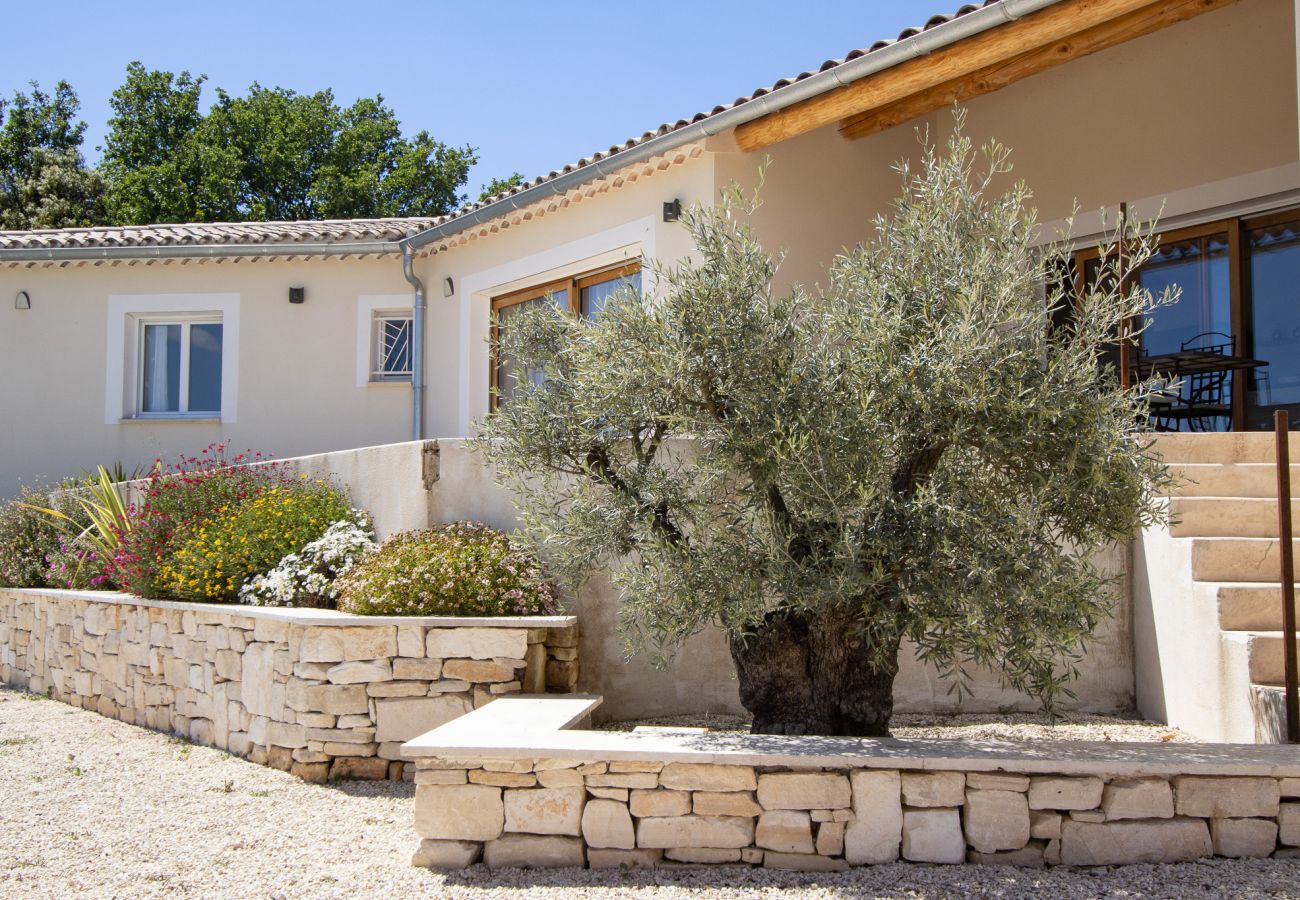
(811, 673)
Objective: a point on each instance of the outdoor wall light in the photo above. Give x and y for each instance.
(672, 211)
(297, 294)
(448, 286)
(23, 300)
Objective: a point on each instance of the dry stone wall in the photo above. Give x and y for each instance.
(554, 812)
(320, 694)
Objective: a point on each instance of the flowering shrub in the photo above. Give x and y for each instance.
(180, 499)
(310, 576)
(460, 569)
(28, 535)
(248, 539)
(74, 565)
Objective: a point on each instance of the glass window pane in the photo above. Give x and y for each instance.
(595, 296)
(205, 368)
(161, 379)
(1273, 302)
(1199, 266)
(394, 346)
(505, 365)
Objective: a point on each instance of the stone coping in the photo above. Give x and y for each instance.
(313, 617)
(537, 726)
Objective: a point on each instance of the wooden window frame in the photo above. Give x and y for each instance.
(573, 284)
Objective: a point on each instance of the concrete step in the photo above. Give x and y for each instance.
(1238, 559)
(1228, 447)
(1237, 480)
(1250, 607)
(1267, 665)
(1227, 516)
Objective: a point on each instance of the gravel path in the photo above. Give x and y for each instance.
(92, 807)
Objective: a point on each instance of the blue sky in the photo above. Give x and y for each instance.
(532, 85)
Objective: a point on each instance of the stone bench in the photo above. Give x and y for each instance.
(514, 784)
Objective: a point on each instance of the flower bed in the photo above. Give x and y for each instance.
(319, 693)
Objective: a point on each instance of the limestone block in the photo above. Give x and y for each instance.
(532, 851)
(462, 812)
(337, 699)
(803, 790)
(703, 777)
(736, 803)
(476, 643)
(311, 671)
(639, 780)
(996, 820)
(397, 689)
(997, 781)
(1060, 792)
(1288, 821)
(508, 765)
(417, 669)
(1137, 798)
(441, 776)
(629, 859)
(1226, 797)
(282, 734)
(619, 766)
(660, 803)
(559, 778)
(304, 755)
(446, 855)
(702, 856)
(338, 748)
(410, 641)
(933, 834)
(724, 832)
(401, 719)
(1243, 838)
(803, 862)
(271, 630)
(1030, 855)
(535, 669)
(877, 828)
(341, 643)
(606, 793)
(545, 810)
(260, 693)
(503, 779)
(356, 720)
(449, 686)
(1289, 787)
(934, 788)
(279, 758)
(1087, 815)
(358, 768)
(479, 671)
(311, 772)
(360, 672)
(830, 838)
(1044, 824)
(784, 830)
(606, 823)
(341, 735)
(1134, 841)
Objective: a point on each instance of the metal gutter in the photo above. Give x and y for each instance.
(417, 345)
(198, 251)
(917, 45)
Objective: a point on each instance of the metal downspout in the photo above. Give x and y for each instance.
(417, 345)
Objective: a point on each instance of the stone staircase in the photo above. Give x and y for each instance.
(1206, 590)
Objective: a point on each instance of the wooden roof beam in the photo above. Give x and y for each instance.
(993, 78)
(988, 48)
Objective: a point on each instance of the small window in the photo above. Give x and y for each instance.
(180, 367)
(390, 355)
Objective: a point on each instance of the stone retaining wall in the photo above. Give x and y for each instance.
(541, 795)
(314, 692)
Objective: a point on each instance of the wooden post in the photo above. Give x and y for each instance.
(1281, 425)
(1125, 374)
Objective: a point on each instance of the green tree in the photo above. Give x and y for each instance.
(44, 182)
(500, 186)
(153, 156)
(909, 454)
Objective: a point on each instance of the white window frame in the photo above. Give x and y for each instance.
(123, 383)
(184, 388)
(371, 308)
(377, 321)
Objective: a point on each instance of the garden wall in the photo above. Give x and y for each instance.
(509, 785)
(414, 484)
(318, 693)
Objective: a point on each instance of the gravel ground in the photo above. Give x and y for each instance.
(92, 807)
(1025, 727)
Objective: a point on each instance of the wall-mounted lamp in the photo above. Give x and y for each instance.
(22, 300)
(297, 294)
(448, 286)
(672, 211)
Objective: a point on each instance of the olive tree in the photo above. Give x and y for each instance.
(910, 453)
